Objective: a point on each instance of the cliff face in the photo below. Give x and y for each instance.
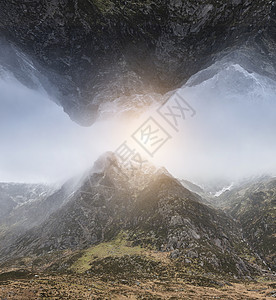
(94, 51)
(253, 204)
(149, 205)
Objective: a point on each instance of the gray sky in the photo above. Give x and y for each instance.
(232, 135)
(38, 141)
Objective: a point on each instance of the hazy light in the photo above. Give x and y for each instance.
(39, 142)
(232, 135)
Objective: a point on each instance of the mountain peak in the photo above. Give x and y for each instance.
(104, 162)
(135, 175)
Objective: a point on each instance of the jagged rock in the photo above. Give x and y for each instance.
(192, 254)
(112, 198)
(92, 52)
(175, 253)
(253, 205)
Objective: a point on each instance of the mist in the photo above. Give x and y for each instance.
(39, 142)
(232, 135)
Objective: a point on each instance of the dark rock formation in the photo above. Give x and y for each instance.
(150, 205)
(94, 51)
(253, 204)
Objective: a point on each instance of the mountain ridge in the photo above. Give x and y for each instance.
(152, 208)
(92, 52)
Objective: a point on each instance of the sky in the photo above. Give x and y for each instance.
(38, 141)
(231, 136)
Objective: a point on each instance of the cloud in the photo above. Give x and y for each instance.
(232, 135)
(38, 141)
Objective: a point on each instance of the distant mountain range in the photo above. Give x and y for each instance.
(253, 206)
(144, 209)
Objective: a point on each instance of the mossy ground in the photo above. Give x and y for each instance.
(86, 287)
(118, 270)
(115, 248)
(105, 6)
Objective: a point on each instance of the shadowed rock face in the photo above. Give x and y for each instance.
(253, 204)
(94, 51)
(149, 204)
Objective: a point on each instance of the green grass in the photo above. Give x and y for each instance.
(105, 6)
(115, 248)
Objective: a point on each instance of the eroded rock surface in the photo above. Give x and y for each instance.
(96, 51)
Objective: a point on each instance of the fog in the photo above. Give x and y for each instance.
(232, 135)
(39, 142)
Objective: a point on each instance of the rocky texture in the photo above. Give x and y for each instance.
(20, 285)
(253, 204)
(154, 211)
(14, 195)
(96, 51)
(203, 195)
(24, 206)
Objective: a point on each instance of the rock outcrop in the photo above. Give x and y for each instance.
(151, 207)
(96, 51)
(253, 205)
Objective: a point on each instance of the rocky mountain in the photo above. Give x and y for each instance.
(148, 208)
(87, 53)
(24, 206)
(202, 194)
(253, 205)
(192, 187)
(14, 195)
